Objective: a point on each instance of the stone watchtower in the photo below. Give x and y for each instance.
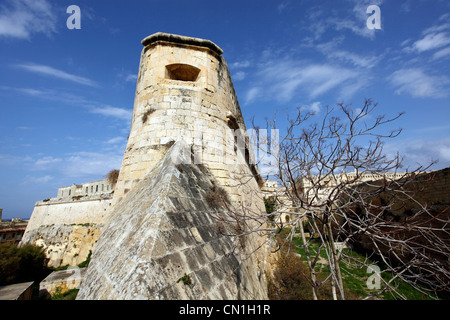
(184, 92)
(167, 233)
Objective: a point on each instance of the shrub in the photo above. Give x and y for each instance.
(270, 203)
(112, 176)
(216, 197)
(290, 277)
(22, 264)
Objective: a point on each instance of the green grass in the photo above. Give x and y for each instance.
(68, 295)
(355, 276)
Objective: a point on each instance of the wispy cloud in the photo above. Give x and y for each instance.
(21, 18)
(240, 64)
(421, 152)
(441, 53)
(116, 140)
(351, 18)
(252, 94)
(112, 112)
(71, 99)
(37, 180)
(282, 6)
(131, 78)
(81, 165)
(55, 73)
(434, 38)
(432, 41)
(46, 162)
(287, 78)
(416, 83)
(314, 107)
(240, 75)
(332, 51)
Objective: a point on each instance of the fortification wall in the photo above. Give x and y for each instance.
(67, 228)
(57, 212)
(434, 188)
(65, 244)
(184, 92)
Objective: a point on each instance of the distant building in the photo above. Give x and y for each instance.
(76, 192)
(12, 231)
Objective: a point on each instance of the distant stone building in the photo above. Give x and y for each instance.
(12, 231)
(319, 185)
(89, 189)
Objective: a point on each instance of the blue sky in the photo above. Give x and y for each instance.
(66, 96)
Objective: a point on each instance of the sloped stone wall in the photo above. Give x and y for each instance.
(159, 243)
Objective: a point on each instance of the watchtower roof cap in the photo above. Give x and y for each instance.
(161, 36)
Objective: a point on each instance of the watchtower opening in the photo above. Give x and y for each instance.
(182, 72)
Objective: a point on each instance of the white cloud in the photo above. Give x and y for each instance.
(80, 165)
(37, 180)
(284, 79)
(97, 164)
(13, 160)
(112, 112)
(46, 162)
(419, 152)
(91, 106)
(115, 140)
(131, 78)
(314, 107)
(50, 71)
(353, 20)
(436, 37)
(441, 53)
(240, 64)
(240, 75)
(331, 50)
(415, 82)
(252, 94)
(432, 41)
(21, 18)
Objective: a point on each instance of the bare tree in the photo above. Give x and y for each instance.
(339, 189)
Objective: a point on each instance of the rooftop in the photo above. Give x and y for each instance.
(168, 37)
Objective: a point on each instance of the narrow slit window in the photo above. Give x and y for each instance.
(182, 72)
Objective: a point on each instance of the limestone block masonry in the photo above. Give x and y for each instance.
(184, 92)
(187, 138)
(160, 242)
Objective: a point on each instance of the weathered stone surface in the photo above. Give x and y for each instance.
(64, 244)
(18, 291)
(62, 281)
(202, 110)
(67, 227)
(159, 242)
